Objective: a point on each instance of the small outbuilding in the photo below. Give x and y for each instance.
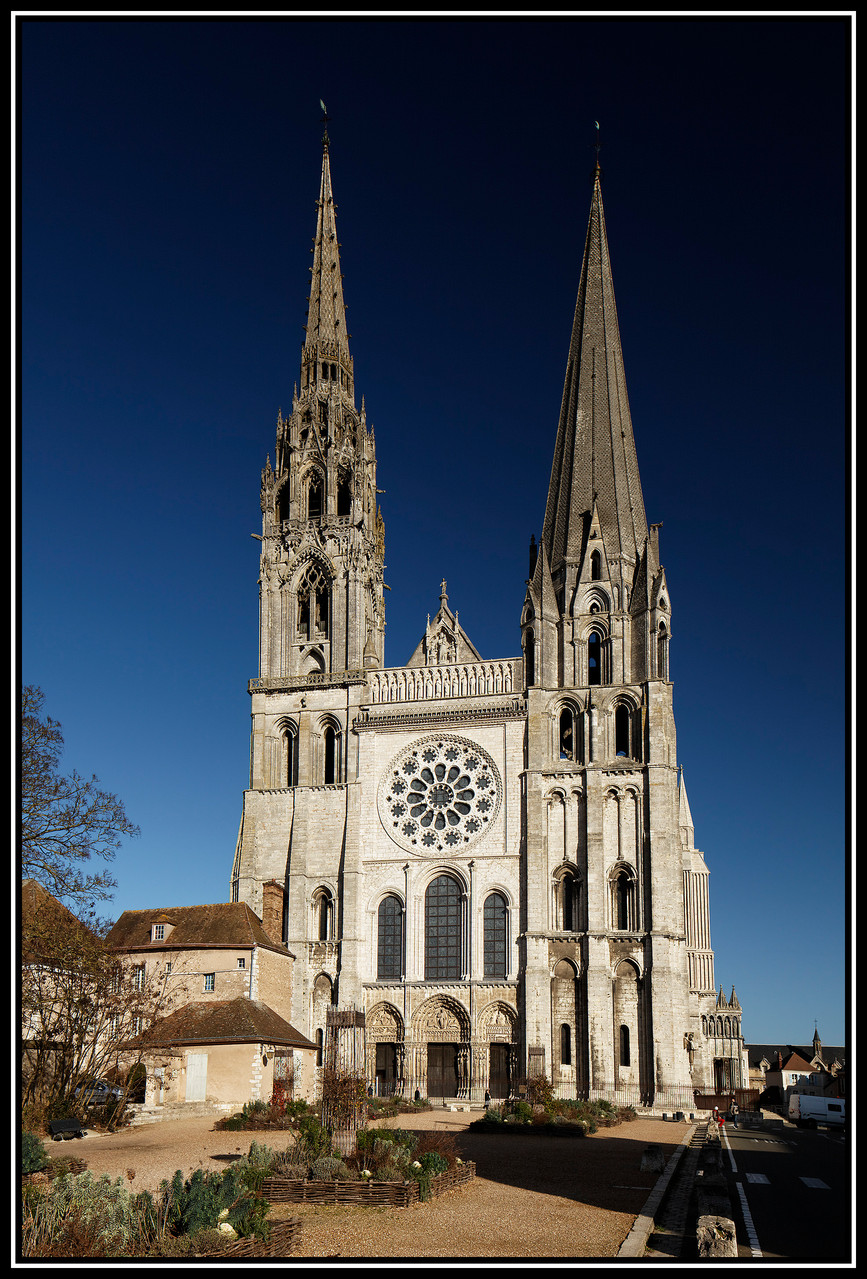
(226, 1052)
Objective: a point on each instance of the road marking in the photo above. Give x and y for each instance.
(758, 1178)
(815, 1183)
(725, 1139)
(748, 1222)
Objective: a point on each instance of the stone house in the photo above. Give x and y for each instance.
(226, 986)
(815, 1070)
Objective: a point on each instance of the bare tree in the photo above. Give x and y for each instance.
(81, 1004)
(65, 821)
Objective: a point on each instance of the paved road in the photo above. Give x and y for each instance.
(790, 1192)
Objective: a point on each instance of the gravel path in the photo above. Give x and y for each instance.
(532, 1196)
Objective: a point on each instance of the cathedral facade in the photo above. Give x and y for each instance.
(490, 862)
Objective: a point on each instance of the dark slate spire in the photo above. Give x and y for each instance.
(594, 458)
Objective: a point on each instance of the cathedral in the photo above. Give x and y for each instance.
(487, 864)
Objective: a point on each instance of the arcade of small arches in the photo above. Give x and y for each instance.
(594, 650)
(326, 748)
(583, 735)
(720, 1027)
(313, 490)
(569, 901)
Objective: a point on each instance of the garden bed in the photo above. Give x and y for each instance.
(397, 1194)
(284, 1238)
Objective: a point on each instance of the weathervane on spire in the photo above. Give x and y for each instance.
(325, 118)
(597, 145)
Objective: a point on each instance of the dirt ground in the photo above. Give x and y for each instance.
(533, 1196)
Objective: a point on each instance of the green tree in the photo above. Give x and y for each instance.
(65, 821)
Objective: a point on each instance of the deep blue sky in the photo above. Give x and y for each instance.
(168, 176)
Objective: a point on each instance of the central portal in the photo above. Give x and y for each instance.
(442, 1070)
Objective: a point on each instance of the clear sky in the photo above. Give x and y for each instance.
(168, 174)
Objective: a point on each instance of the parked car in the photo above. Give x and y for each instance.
(96, 1092)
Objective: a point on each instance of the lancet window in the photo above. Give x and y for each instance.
(443, 960)
(313, 600)
(389, 941)
(495, 922)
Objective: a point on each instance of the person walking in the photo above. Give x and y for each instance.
(734, 1111)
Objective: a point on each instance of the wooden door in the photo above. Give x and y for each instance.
(498, 1085)
(442, 1070)
(386, 1071)
(197, 1076)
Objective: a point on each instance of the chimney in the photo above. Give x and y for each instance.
(273, 896)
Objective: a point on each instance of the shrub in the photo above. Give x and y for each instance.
(440, 1141)
(33, 1156)
(522, 1111)
(83, 1216)
(329, 1168)
(540, 1091)
(256, 1165)
(197, 1204)
(313, 1140)
(433, 1162)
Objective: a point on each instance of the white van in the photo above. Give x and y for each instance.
(806, 1111)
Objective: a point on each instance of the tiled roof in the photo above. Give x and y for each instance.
(225, 1021)
(769, 1052)
(43, 916)
(229, 924)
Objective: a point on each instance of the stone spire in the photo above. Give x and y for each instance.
(594, 457)
(326, 348)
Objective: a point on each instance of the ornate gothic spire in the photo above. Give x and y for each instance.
(327, 340)
(594, 458)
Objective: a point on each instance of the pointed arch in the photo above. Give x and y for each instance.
(622, 898)
(313, 600)
(313, 489)
(344, 491)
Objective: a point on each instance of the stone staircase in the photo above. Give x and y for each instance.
(142, 1114)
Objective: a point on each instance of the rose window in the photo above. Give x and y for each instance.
(439, 795)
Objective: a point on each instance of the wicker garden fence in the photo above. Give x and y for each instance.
(284, 1238)
(397, 1194)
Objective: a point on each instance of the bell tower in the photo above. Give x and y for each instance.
(608, 995)
(321, 592)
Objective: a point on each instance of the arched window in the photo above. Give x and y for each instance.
(495, 920)
(623, 901)
(330, 755)
(389, 939)
(567, 901)
(289, 763)
(344, 493)
(595, 567)
(323, 915)
(529, 659)
(568, 733)
(662, 652)
(313, 594)
(622, 744)
(565, 1045)
(315, 495)
(442, 930)
(625, 1059)
(594, 658)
